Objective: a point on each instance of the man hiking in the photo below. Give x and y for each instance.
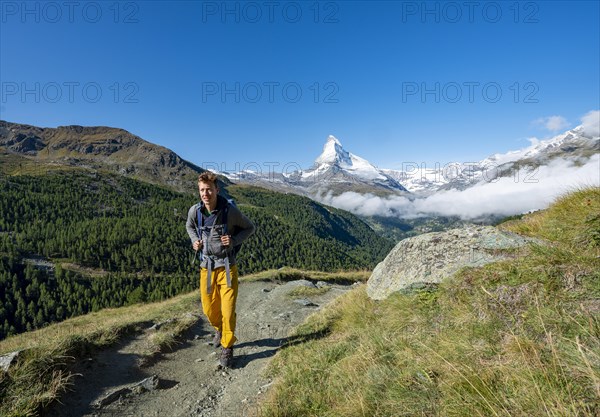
(217, 228)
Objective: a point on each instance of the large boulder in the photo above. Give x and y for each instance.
(431, 257)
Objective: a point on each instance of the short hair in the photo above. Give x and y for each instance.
(208, 176)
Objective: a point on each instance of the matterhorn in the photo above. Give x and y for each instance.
(338, 170)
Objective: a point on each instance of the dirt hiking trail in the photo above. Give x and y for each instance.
(187, 381)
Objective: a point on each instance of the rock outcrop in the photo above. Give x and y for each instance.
(432, 257)
(7, 360)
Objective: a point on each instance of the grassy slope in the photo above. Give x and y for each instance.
(515, 338)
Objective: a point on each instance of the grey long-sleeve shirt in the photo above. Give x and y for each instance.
(239, 228)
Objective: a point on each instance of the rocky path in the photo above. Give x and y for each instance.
(188, 381)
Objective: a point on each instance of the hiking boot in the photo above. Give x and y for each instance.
(226, 359)
(216, 342)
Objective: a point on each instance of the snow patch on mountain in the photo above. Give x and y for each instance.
(418, 179)
(535, 148)
(571, 145)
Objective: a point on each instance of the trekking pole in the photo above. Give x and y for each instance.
(195, 255)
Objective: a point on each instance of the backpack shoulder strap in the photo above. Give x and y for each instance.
(199, 217)
(225, 215)
(230, 202)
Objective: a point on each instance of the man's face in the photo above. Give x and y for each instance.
(208, 193)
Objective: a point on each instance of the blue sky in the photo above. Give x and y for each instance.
(240, 82)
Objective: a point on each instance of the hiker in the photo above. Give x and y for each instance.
(217, 228)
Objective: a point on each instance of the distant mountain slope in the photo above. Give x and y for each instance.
(297, 230)
(78, 241)
(96, 147)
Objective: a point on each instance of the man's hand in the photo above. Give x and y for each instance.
(226, 240)
(197, 245)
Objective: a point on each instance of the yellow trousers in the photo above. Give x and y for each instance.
(219, 305)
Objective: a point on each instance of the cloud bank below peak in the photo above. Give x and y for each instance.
(503, 197)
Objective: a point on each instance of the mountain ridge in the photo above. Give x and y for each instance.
(572, 144)
(98, 147)
(334, 171)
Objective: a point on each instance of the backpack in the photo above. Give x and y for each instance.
(223, 215)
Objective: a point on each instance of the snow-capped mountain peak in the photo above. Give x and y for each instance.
(335, 164)
(333, 153)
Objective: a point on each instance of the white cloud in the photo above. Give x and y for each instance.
(506, 196)
(552, 123)
(591, 123)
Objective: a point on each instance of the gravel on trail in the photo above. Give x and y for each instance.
(187, 381)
